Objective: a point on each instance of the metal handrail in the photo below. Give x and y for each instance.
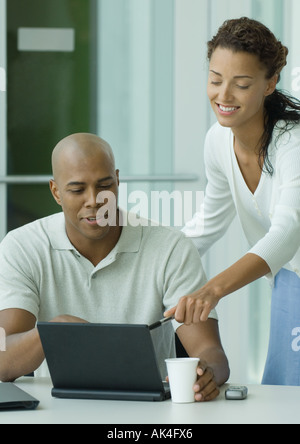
(33, 180)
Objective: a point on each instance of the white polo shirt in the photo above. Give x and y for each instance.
(146, 273)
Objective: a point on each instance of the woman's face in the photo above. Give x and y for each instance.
(237, 88)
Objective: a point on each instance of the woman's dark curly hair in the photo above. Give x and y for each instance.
(251, 36)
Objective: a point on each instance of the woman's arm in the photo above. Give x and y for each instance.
(195, 308)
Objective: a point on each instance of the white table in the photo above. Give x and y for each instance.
(265, 405)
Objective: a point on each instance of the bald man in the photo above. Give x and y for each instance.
(83, 166)
(69, 267)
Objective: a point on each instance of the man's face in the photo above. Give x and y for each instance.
(81, 179)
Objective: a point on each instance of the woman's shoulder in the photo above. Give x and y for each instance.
(285, 150)
(286, 137)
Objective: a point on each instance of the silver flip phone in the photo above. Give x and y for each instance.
(236, 393)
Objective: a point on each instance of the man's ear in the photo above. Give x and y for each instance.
(118, 177)
(55, 191)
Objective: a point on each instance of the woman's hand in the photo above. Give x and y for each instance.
(197, 306)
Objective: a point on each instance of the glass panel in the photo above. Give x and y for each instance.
(136, 86)
(130, 80)
(51, 94)
(293, 13)
(270, 12)
(27, 203)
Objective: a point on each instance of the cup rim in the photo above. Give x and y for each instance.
(182, 359)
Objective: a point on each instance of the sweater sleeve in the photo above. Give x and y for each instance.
(217, 210)
(282, 241)
(183, 274)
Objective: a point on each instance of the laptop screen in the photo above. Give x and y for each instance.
(100, 356)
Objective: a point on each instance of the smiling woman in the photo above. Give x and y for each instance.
(252, 163)
(244, 54)
(238, 100)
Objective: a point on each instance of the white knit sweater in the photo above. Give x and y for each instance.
(270, 217)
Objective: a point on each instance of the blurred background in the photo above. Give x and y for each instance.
(135, 73)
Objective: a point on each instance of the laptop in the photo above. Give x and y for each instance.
(102, 361)
(13, 398)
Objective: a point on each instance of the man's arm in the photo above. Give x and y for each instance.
(24, 351)
(203, 341)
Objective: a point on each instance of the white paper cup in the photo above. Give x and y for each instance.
(182, 374)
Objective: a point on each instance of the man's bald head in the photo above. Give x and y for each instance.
(86, 187)
(79, 148)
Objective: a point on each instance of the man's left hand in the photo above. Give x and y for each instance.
(205, 388)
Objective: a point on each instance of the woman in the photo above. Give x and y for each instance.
(252, 158)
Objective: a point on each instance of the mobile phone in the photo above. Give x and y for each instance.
(236, 392)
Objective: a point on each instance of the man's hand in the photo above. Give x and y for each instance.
(202, 340)
(69, 319)
(205, 388)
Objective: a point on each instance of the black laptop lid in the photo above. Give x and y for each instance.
(12, 397)
(100, 356)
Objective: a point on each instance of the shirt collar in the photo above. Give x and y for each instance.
(129, 242)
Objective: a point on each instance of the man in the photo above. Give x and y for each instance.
(74, 267)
